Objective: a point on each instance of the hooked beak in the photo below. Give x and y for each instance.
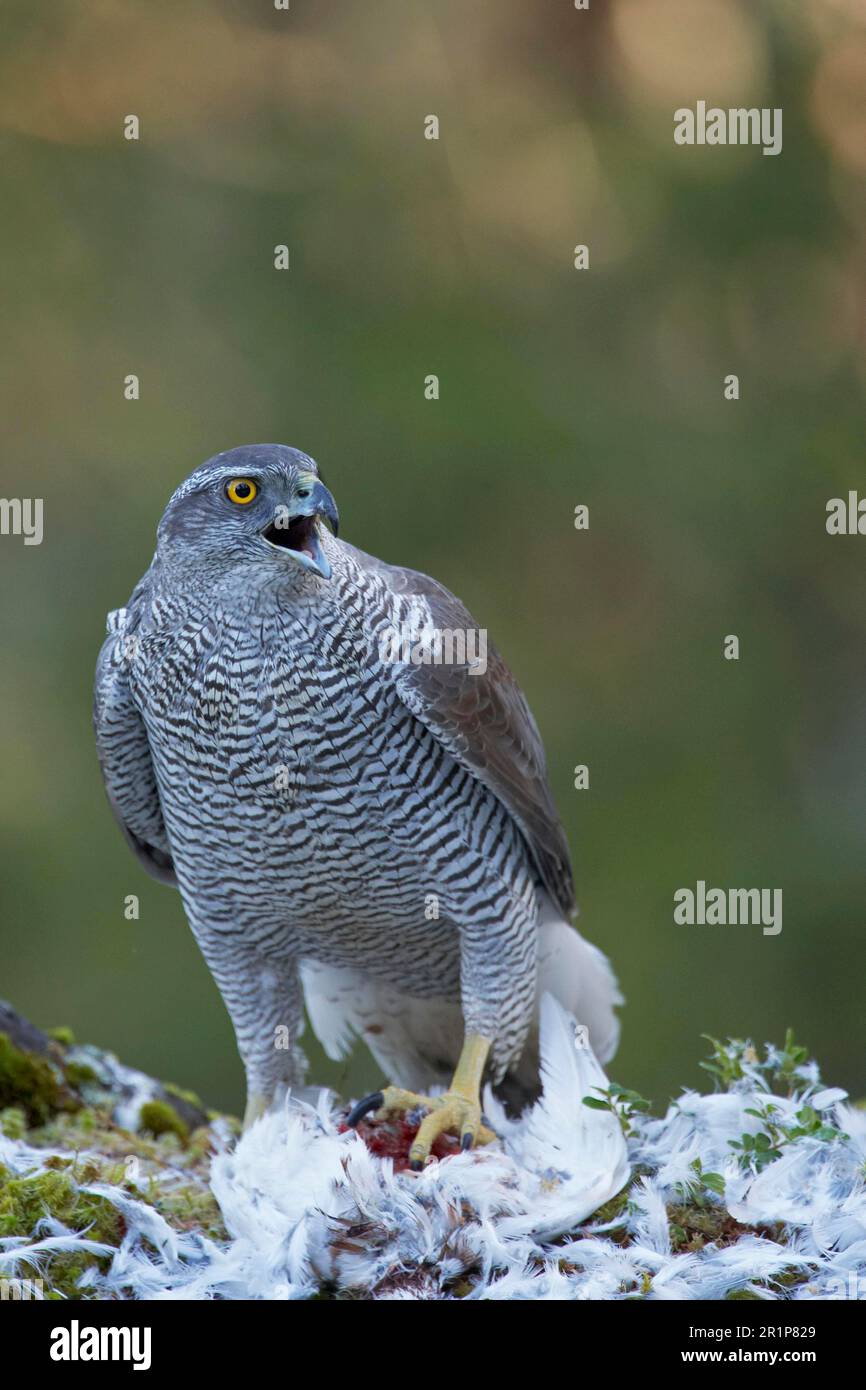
(297, 530)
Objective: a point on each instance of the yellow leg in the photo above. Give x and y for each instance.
(257, 1105)
(458, 1111)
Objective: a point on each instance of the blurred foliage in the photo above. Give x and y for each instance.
(604, 387)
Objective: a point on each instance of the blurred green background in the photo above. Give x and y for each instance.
(558, 387)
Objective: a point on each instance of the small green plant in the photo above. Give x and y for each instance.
(757, 1150)
(726, 1064)
(780, 1072)
(621, 1102)
(780, 1069)
(706, 1184)
(789, 1061)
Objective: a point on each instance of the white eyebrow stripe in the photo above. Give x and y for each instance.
(206, 477)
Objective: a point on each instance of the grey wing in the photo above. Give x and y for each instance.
(486, 725)
(125, 759)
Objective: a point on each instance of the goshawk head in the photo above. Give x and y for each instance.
(260, 505)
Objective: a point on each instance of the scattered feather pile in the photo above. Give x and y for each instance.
(755, 1191)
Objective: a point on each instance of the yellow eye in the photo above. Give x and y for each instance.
(241, 490)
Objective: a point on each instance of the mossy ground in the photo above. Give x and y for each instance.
(30, 1082)
(58, 1098)
(58, 1103)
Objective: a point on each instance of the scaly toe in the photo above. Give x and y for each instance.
(449, 1113)
(390, 1099)
(452, 1113)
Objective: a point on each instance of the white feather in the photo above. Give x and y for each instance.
(304, 1203)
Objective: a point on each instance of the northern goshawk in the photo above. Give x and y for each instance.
(355, 821)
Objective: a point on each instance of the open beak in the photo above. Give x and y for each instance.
(298, 532)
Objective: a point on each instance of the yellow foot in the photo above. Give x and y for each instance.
(458, 1111)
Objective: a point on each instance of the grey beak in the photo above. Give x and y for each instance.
(320, 502)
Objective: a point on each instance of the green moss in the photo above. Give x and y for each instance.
(92, 1127)
(189, 1096)
(201, 1143)
(24, 1202)
(611, 1209)
(462, 1287)
(60, 1103)
(191, 1208)
(13, 1122)
(792, 1276)
(694, 1225)
(29, 1081)
(79, 1074)
(63, 1035)
(158, 1118)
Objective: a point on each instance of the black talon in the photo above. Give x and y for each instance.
(417, 1165)
(363, 1107)
(466, 1142)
